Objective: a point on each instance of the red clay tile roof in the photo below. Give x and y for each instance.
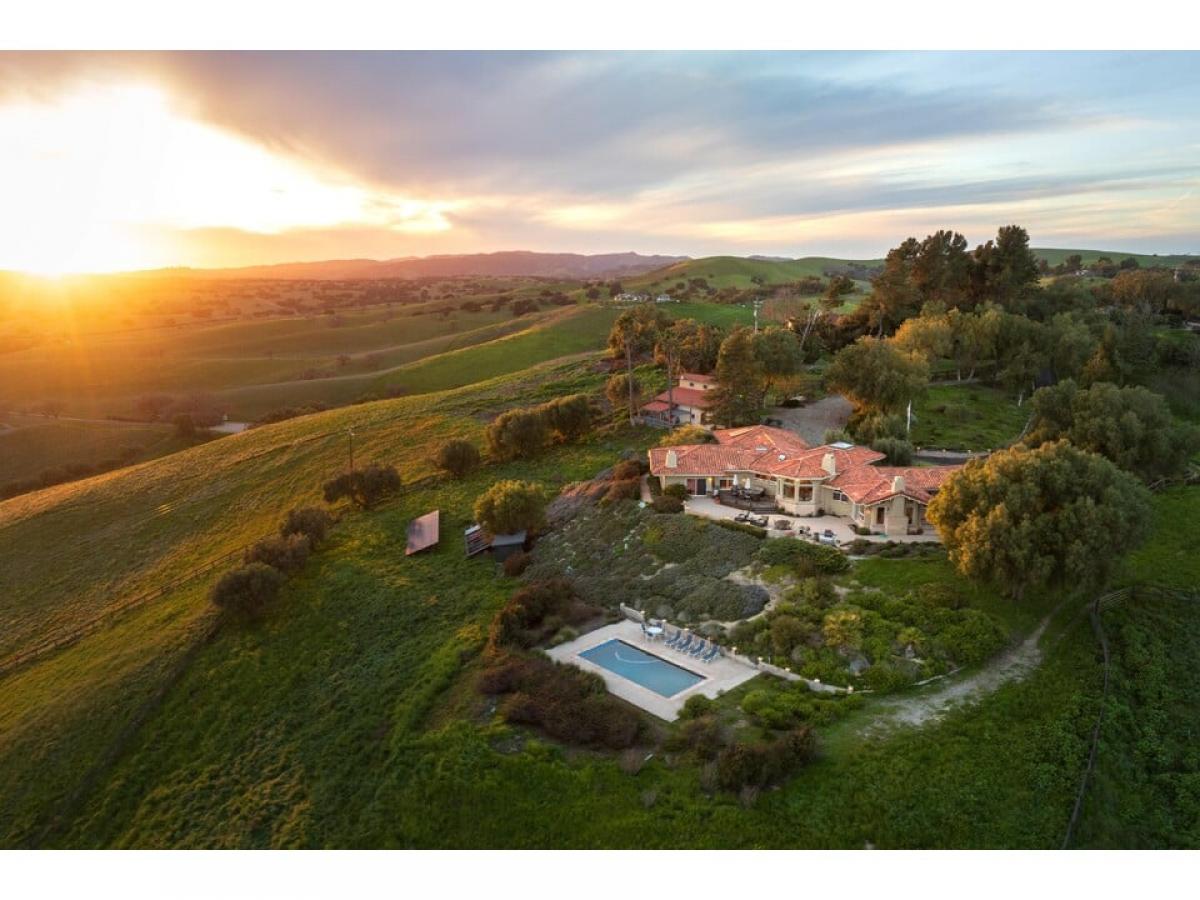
(754, 437)
(697, 459)
(873, 484)
(655, 406)
(773, 451)
(702, 379)
(688, 397)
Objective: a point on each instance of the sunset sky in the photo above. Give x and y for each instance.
(119, 161)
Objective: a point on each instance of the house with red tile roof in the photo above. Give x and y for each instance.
(778, 466)
(691, 397)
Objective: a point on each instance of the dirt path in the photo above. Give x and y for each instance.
(939, 697)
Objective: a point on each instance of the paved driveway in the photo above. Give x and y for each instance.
(812, 421)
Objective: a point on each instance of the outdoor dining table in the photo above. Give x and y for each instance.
(654, 630)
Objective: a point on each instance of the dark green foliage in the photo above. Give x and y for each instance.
(364, 487)
(898, 452)
(1131, 427)
(804, 558)
(696, 706)
(568, 704)
(246, 592)
(569, 417)
(1031, 518)
(310, 521)
(678, 491)
(533, 613)
(759, 765)
(287, 554)
(737, 400)
(700, 734)
(517, 434)
(743, 527)
(457, 458)
(877, 376)
(511, 506)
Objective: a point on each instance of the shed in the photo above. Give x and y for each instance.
(505, 545)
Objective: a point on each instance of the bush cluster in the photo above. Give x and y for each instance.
(246, 592)
(287, 554)
(803, 557)
(566, 703)
(665, 504)
(534, 613)
(521, 433)
(511, 506)
(365, 487)
(759, 765)
(457, 458)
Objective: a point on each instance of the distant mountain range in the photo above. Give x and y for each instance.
(509, 263)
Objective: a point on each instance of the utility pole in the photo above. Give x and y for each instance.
(756, 304)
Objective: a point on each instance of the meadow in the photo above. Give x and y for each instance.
(966, 417)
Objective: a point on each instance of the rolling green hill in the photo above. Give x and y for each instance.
(1055, 257)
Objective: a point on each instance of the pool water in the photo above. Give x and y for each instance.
(650, 671)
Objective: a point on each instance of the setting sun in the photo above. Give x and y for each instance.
(107, 177)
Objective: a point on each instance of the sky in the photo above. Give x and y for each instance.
(112, 161)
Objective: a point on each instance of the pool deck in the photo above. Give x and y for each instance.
(720, 675)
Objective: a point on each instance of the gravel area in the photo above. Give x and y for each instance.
(812, 421)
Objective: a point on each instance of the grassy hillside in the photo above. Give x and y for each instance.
(32, 444)
(1055, 257)
(348, 718)
(289, 358)
(966, 417)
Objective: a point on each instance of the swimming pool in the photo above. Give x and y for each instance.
(650, 671)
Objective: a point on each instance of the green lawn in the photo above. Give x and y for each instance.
(737, 271)
(966, 417)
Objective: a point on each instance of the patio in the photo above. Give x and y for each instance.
(722, 674)
(841, 527)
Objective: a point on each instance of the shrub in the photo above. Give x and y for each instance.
(517, 434)
(511, 506)
(310, 521)
(696, 706)
(898, 452)
(364, 487)
(247, 591)
(702, 736)
(838, 436)
(287, 554)
(626, 469)
(569, 417)
(665, 504)
(629, 489)
(516, 564)
(457, 458)
(678, 491)
(687, 434)
(729, 525)
(804, 558)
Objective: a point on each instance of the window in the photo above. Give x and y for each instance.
(789, 490)
(805, 493)
(725, 483)
(839, 496)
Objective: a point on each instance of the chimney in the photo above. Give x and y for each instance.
(672, 459)
(829, 464)
(898, 484)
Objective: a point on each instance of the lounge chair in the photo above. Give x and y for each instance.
(713, 653)
(741, 517)
(682, 648)
(697, 651)
(673, 639)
